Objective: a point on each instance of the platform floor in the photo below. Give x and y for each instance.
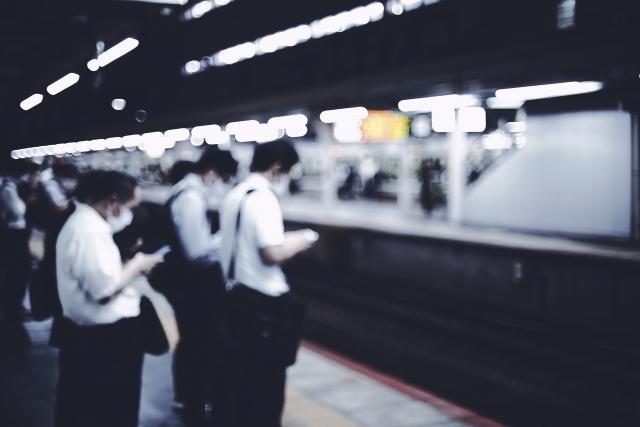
(323, 391)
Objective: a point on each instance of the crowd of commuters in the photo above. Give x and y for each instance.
(239, 325)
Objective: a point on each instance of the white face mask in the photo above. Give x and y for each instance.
(119, 223)
(69, 185)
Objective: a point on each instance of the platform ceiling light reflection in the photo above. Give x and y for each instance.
(176, 135)
(63, 83)
(443, 120)
(201, 8)
(31, 101)
(117, 51)
(554, 90)
(118, 104)
(293, 36)
(429, 104)
(472, 119)
(344, 114)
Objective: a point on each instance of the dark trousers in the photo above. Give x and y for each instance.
(15, 266)
(259, 392)
(200, 366)
(100, 371)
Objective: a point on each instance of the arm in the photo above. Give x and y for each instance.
(294, 243)
(189, 214)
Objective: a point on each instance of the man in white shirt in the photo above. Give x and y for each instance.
(251, 253)
(100, 359)
(197, 290)
(14, 238)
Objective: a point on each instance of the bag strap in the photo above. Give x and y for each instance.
(231, 275)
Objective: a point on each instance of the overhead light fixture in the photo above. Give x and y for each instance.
(344, 114)
(31, 101)
(93, 65)
(63, 83)
(234, 128)
(131, 141)
(426, 105)
(553, 90)
(176, 135)
(504, 103)
(97, 145)
(118, 104)
(117, 51)
(218, 138)
(175, 2)
(288, 122)
(443, 120)
(114, 143)
(472, 119)
(203, 131)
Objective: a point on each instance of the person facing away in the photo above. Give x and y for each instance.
(100, 357)
(14, 241)
(259, 245)
(197, 291)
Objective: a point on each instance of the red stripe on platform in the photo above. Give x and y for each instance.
(456, 412)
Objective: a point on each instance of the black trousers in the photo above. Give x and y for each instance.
(259, 392)
(100, 371)
(200, 365)
(16, 264)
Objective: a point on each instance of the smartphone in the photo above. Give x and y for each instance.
(162, 251)
(311, 235)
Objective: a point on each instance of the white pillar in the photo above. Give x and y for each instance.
(457, 176)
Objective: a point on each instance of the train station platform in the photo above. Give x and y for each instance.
(325, 389)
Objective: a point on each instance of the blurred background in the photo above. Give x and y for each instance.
(472, 168)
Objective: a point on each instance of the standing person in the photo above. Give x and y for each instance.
(254, 245)
(197, 291)
(100, 358)
(14, 238)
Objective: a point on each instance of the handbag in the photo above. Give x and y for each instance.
(262, 324)
(158, 329)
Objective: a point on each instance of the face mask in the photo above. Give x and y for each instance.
(69, 185)
(119, 223)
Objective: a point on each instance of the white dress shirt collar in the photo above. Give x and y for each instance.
(101, 225)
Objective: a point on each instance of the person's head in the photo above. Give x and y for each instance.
(113, 194)
(274, 159)
(180, 169)
(67, 174)
(215, 162)
(18, 169)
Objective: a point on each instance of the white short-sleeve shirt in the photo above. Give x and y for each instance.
(88, 268)
(261, 226)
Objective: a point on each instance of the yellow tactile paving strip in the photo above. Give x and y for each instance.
(300, 411)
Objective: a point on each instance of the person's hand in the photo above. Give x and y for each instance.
(145, 263)
(303, 239)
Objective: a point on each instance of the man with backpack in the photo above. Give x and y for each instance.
(196, 289)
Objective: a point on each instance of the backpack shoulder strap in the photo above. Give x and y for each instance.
(232, 261)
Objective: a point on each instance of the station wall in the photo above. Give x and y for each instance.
(573, 177)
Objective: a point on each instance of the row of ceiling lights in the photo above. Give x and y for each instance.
(470, 118)
(329, 25)
(104, 59)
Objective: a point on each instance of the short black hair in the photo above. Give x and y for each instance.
(65, 170)
(180, 169)
(217, 160)
(280, 152)
(99, 185)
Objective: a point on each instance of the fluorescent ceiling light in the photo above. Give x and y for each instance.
(131, 141)
(203, 131)
(554, 90)
(287, 122)
(443, 120)
(175, 135)
(176, 2)
(31, 101)
(426, 105)
(122, 48)
(118, 104)
(472, 119)
(234, 128)
(344, 114)
(93, 65)
(218, 138)
(63, 83)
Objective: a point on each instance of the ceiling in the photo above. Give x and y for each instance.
(452, 45)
